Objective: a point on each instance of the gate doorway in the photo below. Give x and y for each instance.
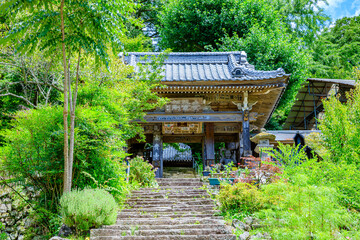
(177, 155)
(179, 160)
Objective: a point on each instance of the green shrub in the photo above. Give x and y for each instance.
(341, 175)
(88, 208)
(240, 197)
(141, 172)
(43, 223)
(344, 177)
(33, 152)
(340, 128)
(298, 211)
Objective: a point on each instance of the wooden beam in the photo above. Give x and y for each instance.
(210, 143)
(204, 117)
(227, 128)
(182, 139)
(236, 116)
(226, 138)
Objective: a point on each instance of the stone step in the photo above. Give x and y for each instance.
(170, 221)
(167, 215)
(156, 214)
(178, 179)
(158, 232)
(166, 202)
(172, 206)
(169, 209)
(143, 226)
(177, 210)
(189, 184)
(170, 237)
(171, 187)
(172, 195)
(170, 190)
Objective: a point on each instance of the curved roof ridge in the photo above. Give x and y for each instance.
(234, 65)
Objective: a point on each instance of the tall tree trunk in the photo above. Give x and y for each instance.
(73, 97)
(67, 177)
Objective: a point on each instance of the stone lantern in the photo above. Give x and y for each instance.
(263, 142)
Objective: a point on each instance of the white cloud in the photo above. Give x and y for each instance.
(332, 4)
(357, 12)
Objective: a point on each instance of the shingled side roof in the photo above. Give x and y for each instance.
(206, 66)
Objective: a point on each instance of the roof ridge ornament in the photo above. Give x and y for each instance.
(238, 69)
(244, 68)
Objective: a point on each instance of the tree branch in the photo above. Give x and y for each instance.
(17, 96)
(41, 83)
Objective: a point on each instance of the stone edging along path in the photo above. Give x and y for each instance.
(176, 210)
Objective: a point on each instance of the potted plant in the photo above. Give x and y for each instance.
(206, 172)
(226, 175)
(215, 170)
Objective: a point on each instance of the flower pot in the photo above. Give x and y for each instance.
(206, 173)
(216, 181)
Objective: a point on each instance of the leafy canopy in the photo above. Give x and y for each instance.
(337, 50)
(340, 128)
(92, 25)
(303, 18)
(190, 25)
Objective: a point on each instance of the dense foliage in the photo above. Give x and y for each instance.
(303, 18)
(141, 172)
(26, 82)
(337, 50)
(313, 198)
(340, 128)
(89, 25)
(34, 145)
(109, 101)
(297, 211)
(191, 25)
(240, 197)
(88, 208)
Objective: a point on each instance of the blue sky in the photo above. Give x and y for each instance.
(341, 8)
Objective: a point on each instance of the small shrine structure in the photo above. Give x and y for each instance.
(214, 97)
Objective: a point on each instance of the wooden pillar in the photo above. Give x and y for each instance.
(246, 134)
(209, 144)
(158, 154)
(240, 148)
(203, 153)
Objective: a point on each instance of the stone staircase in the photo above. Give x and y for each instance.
(176, 210)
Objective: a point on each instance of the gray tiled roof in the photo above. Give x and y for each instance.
(206, 66)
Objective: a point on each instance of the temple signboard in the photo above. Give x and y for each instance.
(182, 128)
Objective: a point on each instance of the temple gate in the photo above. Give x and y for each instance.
(214, 97)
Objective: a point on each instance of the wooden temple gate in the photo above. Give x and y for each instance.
(213, 97)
